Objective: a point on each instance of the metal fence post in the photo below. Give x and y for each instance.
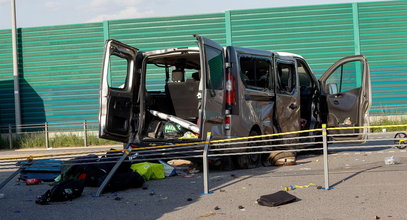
(46, 135)
(205, 164)
(10, 136)
(325, 151)
(113, 170)
(85, 134)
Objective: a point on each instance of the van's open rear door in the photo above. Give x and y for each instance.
(118, 91)
(212, 87)
(347, 93)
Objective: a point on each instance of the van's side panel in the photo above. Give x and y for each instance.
(255, 108)
(287, 95)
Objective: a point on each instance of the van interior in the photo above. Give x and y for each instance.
(175, 95)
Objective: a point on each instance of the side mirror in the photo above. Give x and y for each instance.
(332, 88)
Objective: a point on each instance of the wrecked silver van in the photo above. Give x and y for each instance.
(180, 94)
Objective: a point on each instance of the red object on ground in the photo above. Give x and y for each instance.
(32, 181)
(82, 176)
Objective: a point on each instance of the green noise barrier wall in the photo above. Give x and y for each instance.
(60, 66)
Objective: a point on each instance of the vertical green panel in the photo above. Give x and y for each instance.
(322, 34)
(60, 65)
(59, 73)
(228, 28)
(383, 39)
(167, 32)
(6, 79)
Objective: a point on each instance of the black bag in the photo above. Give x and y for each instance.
(73, 171)
(122, 181)
(276, 199)
(63, 191)
(93, 174)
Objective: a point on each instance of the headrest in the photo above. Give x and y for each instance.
(178, 75)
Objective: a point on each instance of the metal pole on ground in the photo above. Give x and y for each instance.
(325, 151)
(113, 171)
(22, 167)
(205, 164)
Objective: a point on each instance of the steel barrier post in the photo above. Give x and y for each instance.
(10, 136)
(325, 151)
(205, 164)
(46, 135)
(85, 134)
(113, 171)
(21, 168)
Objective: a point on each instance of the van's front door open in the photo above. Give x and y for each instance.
(346, 96)
(119, 86)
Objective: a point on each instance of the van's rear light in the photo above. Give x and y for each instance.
(227, 122)
(230, 91)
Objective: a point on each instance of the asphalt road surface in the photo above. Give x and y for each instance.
(363, 188)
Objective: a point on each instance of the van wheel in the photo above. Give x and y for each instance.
(249, 161)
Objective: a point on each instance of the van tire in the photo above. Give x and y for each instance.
(249, 161)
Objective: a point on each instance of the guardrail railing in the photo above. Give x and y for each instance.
(46, 131)
(320, 139)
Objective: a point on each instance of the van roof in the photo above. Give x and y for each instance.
(287, 54)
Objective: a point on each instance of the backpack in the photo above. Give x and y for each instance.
(63, 191)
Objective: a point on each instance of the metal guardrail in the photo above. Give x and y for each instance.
(321, 139)
(49, 130)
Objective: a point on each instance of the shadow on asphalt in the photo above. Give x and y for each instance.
(353, 175)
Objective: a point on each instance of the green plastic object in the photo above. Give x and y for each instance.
(149, 171)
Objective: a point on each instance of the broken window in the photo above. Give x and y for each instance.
(255, 72)
(286, 78)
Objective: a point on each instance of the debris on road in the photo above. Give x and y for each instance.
(168, 169)
(149, 171)
(208, 214)
(276, 199)
(216, 208)
(180, 163)
(33, 181)
(241, 208)
(391, 160)
(293, 187)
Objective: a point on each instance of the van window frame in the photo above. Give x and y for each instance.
(269, 60)
(294, 80)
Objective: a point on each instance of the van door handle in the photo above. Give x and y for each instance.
(293, 106)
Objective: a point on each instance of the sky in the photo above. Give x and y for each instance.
(34, 13)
